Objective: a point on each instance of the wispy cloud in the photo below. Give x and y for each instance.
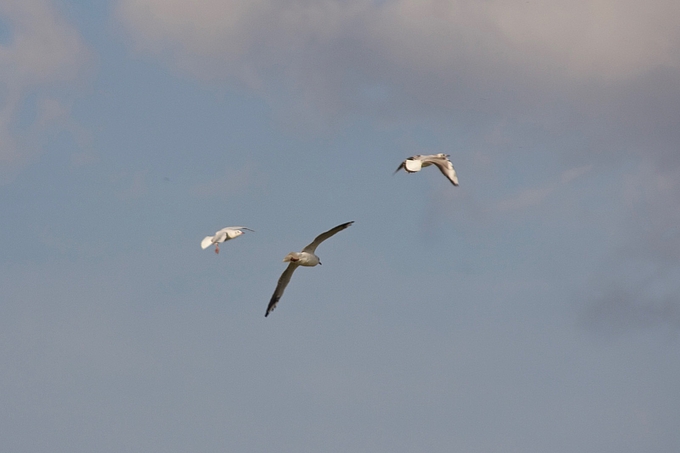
(535, 196)
(526, 198)
(41, 51)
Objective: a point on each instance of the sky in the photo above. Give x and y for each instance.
(534, 308)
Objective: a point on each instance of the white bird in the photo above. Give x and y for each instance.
(304, 258)
(415, 163)
(221, 236)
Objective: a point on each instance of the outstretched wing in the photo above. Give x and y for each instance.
(445, 166)
(240, 228)
(225, 233)
(323, 236)
(278, 292)
(401, 165)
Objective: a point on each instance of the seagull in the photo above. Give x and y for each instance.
(304, 258)
(221, 236)
(415, 163)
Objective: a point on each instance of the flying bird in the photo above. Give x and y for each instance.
(415, 163)
(304, 258)
(221, 236)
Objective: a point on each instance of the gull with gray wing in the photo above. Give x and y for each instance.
(304, 258)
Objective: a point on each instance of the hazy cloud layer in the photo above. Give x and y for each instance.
(430, 52)
(586, 38)
(41, 50)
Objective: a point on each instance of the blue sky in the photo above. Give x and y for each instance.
(534, 308)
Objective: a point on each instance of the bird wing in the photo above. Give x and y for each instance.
(206, 242)
(323, 236)
(280, 286)
(445, 166)
(239, 228)
(223, 234)
(401, 165)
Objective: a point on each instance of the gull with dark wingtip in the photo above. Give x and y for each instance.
(304, 258)
(415, 163)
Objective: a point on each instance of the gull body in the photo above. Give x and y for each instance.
(414, 164)
(306, 258)
(302, 259)
(222, 235)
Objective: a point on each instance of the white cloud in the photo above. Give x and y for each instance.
(41, 51)
(601, 38)
(247, 39)
(213, 38)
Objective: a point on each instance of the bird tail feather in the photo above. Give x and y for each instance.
(206, 242)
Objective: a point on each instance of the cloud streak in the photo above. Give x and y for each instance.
(535, 196)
